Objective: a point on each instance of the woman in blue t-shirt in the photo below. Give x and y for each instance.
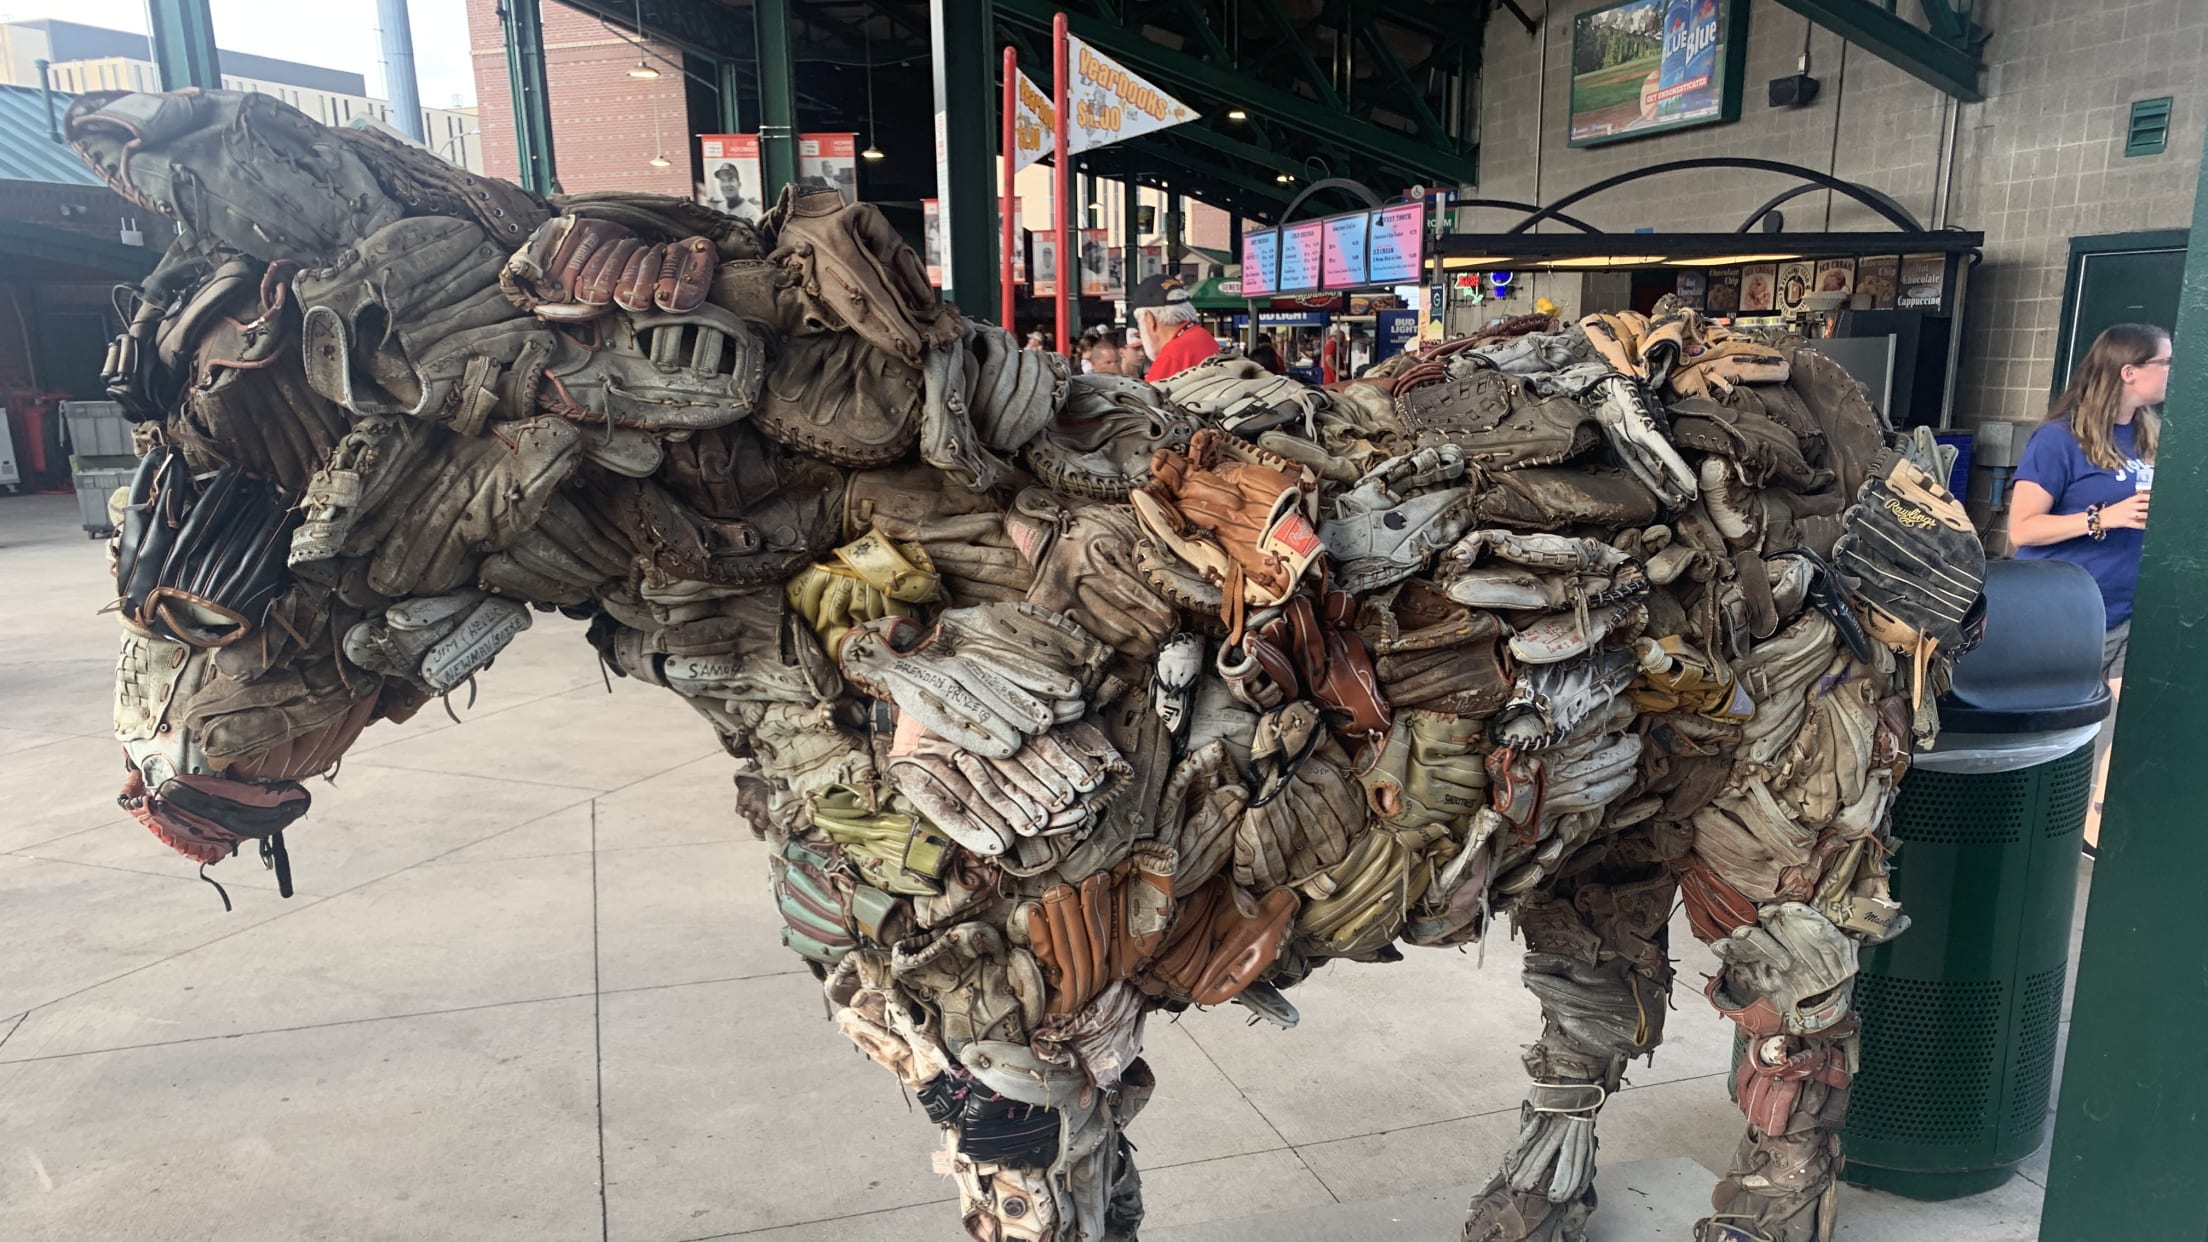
(2081, 490)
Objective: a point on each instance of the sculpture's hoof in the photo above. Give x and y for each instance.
(1503, 1215)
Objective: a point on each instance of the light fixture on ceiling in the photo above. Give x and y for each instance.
(872, 151)
(1284, 178)
(1237, 114)
(1605, 260)
(644, 71)
(1733, 260)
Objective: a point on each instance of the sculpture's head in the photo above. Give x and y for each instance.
(389, 408)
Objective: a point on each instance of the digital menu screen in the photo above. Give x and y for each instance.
(1345, 251)
(1260, 263)
(1301, 249)
(1397, 247)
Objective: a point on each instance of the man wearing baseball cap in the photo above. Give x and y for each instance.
(1166, 320)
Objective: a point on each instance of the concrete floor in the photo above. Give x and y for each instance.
(530, 989)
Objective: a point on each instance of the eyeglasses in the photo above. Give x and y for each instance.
(2153, 362)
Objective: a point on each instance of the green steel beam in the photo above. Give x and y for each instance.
(966, 64)
(1951, 66)
(1429, 126)
(1948, 23)
(729, 109)
(184, 44)
(1214, 46)
(1177, 70)
(1292, 39)
(679, 24)
(1159, 149)
(523, 23)
(2131, 1131)
(1447, 22)
(777, 97)
(1203, 135)
(1130, 225)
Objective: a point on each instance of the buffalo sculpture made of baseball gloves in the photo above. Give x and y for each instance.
(1060, 698)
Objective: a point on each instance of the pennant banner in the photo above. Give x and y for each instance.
(1110, 103)
(1031, 128)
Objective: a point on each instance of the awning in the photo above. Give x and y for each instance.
(44, 245)
(1218, 293)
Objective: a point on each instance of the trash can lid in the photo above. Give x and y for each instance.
(2039, 667)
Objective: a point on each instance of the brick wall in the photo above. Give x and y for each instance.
(602, 119)
(2040, 161)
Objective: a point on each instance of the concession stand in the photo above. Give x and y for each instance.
(1351, 276)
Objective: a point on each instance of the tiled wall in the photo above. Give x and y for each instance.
(2040, 161)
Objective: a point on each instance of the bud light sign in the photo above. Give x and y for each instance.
(1646, 66)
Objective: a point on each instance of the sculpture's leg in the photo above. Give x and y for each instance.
(1091, 1192)
(1785, 1178)
(1596, 961)
(1789, 984)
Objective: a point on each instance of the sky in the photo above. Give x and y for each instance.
(335, 34)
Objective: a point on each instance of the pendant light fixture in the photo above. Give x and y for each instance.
(872, 151)
(644, 71)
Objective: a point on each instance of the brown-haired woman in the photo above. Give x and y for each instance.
(2082, 487)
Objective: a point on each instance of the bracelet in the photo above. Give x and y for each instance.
(2093, 525)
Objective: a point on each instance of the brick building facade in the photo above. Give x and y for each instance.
(602, 119)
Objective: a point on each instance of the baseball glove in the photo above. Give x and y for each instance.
(1495, 418)
(1915, 564)
(245, 398)
(1101, 444)
(1222, 941)
(857, 273)
(833, 395)
(411, 321)
(240, 168)
(1235, 513)
(199, 562)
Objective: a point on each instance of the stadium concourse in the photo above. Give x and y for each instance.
(556, 935)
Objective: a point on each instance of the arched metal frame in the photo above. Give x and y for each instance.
(1357, 188)
(1889, 210)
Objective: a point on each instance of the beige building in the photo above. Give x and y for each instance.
(92, 58)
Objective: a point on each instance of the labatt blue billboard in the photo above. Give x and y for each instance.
(1646, 66)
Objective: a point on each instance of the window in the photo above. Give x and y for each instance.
(2148, 132)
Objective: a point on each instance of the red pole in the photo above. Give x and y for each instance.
(1060, 180)
(1009, 150)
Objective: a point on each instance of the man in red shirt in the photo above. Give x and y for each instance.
(1167, 323)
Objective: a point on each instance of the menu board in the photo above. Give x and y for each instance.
(1345, 251)
(1301, 248)
(1877, 281)
(1923, 280)
(1396, 250)
(1260, 262)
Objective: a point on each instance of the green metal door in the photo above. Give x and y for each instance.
(2117, 278)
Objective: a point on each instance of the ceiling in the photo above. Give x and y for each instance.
(1379, 94)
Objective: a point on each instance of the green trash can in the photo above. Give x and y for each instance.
(1962, 1013)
